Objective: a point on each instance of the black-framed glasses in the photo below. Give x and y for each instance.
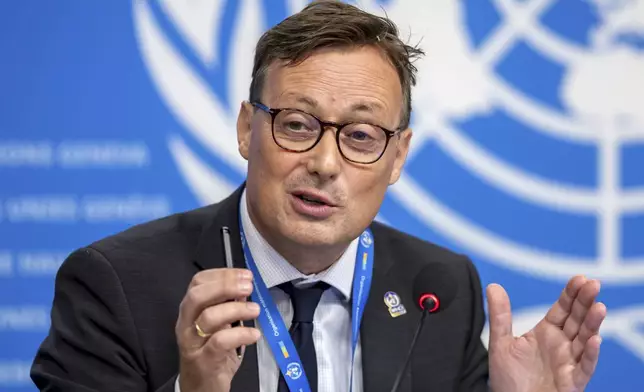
(298, 131)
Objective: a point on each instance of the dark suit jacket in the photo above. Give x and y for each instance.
(116, 304)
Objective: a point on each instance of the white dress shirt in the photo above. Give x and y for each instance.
(331, 322)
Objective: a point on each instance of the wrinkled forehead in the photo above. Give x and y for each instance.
(338, 83)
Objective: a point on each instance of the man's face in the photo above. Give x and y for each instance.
(352, 85)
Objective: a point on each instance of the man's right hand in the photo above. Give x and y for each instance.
(209, 363)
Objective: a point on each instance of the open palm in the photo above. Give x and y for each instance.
(559, 354)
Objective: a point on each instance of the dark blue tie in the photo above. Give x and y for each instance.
(304, 303)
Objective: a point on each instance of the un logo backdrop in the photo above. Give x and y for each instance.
(528, 148)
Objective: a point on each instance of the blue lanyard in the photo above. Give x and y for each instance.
(276, 333)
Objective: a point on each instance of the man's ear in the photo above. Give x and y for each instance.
(402, 148)
(244, 121)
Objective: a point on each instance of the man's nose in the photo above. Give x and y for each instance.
(325, 158)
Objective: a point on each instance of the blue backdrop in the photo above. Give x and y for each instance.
(528, 147)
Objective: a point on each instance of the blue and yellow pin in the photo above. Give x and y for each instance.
(396, 308)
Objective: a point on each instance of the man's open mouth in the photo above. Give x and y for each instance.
(311, 200)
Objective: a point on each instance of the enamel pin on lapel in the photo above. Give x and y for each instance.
(392, 300)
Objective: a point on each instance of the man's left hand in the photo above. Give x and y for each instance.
(559, 354)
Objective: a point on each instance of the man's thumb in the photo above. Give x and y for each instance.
(500, 313)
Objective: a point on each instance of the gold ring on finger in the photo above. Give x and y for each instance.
(200, 331)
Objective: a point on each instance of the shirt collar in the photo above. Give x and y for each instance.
(276, 270)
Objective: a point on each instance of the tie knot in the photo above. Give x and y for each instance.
(304, 300)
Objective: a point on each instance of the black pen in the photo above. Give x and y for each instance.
(228, 256)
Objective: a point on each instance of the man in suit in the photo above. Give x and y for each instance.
(155, 309)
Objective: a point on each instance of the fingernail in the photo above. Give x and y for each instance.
(257, 333)
(252, 306)
(245, 287)
(245, 275)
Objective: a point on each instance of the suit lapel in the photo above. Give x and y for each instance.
(247, 377)
(385, 339)
(210, 254)
(210, 249)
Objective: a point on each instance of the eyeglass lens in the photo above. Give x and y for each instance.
(299, 131)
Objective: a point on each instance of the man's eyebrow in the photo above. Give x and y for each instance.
(366, 106)
(303, 99)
